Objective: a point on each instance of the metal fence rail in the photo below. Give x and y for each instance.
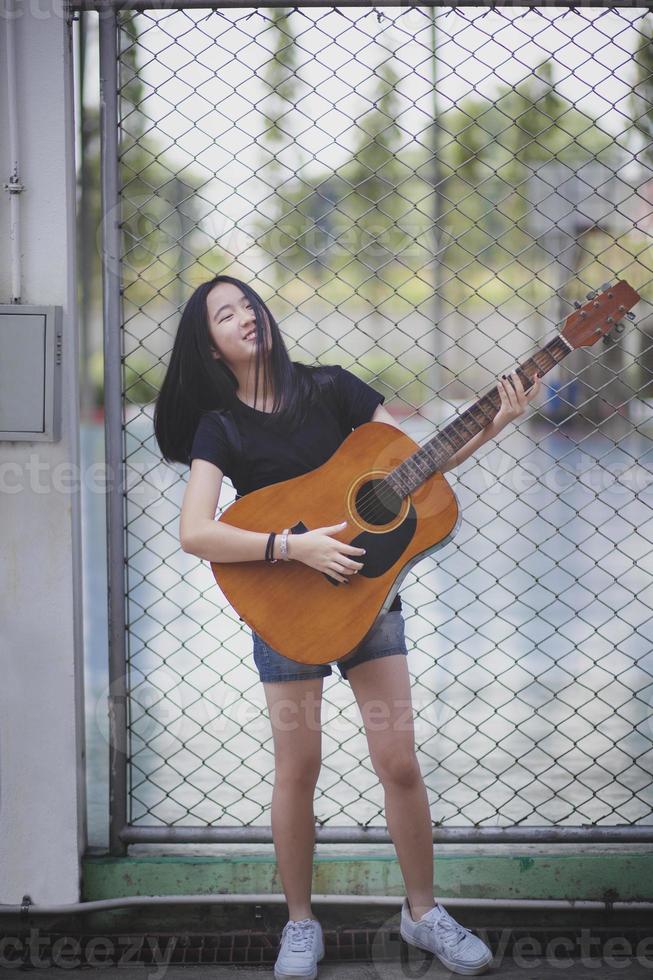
(420, 195)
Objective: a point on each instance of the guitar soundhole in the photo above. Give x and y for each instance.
(377, 504)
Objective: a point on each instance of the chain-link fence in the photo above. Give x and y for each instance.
(420, 194)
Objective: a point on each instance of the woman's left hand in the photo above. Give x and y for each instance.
(514, 400)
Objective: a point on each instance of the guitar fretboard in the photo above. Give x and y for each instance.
(431, 457)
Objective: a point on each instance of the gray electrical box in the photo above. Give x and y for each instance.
(30, 373)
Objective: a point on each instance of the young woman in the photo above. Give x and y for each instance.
(209, 415)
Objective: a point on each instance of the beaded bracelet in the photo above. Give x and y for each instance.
(284, 544)
(269, 549)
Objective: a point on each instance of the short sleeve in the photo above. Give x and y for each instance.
(211, 443)
(358, 400)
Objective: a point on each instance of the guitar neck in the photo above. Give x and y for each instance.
(432, 456)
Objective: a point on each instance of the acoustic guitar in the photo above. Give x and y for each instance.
(397, 504)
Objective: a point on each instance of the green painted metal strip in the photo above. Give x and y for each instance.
(618, 876)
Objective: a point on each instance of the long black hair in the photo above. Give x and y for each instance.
(195, 382)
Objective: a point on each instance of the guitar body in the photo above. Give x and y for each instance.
(302, 613)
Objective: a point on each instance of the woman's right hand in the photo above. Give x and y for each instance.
(324, 553)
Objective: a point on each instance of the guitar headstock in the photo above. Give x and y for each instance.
(597, 317)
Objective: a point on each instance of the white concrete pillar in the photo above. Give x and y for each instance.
(42, 784)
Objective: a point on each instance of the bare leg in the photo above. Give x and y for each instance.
(385, 684)
(293, 831)
(409, 823)
(294, 708)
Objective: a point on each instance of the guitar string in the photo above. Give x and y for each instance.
(459, 418)
(372, 494)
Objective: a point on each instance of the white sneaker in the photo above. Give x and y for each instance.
(453, 944)
(302, 945)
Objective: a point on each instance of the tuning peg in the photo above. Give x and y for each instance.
(576, 304)
(591, 294)
(630, 315)
(605, 286)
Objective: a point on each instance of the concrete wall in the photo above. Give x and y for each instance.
(42, 788)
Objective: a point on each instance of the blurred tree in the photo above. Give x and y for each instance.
(495, 162)
(374, 173)
(280, 223)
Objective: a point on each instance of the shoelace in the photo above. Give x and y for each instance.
(301, 935)
(454, 932)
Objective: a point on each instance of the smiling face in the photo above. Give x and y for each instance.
(232, 326)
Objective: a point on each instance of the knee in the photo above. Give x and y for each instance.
(299, 773)
(399, 769)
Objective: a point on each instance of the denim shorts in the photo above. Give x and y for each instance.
(386, 637)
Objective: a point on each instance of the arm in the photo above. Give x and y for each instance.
(200, 534)
(513, 404)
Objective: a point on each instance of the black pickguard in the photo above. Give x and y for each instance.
(382, 549)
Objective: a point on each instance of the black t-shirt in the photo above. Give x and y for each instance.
(253, 455)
